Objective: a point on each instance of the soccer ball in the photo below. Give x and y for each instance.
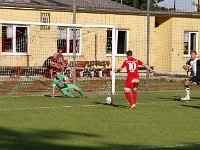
(109, 100)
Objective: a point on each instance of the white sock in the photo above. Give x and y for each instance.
(187, 90)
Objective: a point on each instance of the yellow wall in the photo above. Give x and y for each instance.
(179, 25)
(166, 41)
(136, 26)
(169, 45)
(162, 45)
(43, 42)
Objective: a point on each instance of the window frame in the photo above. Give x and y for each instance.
(127, 42)
(68, 41)
(45, 18)
(189, 42)
(14, 50)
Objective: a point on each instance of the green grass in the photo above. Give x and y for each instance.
(158, 122)
(159, 84)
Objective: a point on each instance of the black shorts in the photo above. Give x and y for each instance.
(195, 79)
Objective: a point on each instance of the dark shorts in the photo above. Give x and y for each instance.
(195, 79)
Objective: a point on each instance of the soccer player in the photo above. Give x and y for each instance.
(132, 79)
(63, 83)
(57, 63)
(192, 65)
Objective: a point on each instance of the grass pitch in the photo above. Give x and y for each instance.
(159, 121)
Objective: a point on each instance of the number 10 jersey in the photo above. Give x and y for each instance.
(131, 65)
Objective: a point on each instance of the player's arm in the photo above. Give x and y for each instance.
(187, 66)
(120, 69)
(67, 81)
(63, 61)
(53, 90)
(146, 66)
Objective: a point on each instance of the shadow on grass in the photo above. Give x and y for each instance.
(111, 105)
(39, 140)
(60, 96)
(196, 98)
(191, 106)
(164, 98)
(46, 140)
(174, 98)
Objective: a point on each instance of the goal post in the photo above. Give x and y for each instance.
(41, 38)
(113, 58)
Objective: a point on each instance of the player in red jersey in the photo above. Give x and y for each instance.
(132, 79)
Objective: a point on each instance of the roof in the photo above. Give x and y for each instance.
(107, 6)
(84, 5)
(96, 5)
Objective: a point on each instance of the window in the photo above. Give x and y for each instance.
(45, 18)
(109, 42)
(65, 40)
(14, 39)
(190, 42)
(122, 41)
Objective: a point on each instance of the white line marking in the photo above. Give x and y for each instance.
(66, 106)
(89, 105)
(51, 107)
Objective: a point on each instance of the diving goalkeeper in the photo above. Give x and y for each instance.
(64, 85)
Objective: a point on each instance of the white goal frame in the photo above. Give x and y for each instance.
(114, 50)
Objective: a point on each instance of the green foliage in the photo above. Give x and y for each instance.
(142, 4)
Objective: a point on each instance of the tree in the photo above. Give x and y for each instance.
(197, 5)
(142, 4)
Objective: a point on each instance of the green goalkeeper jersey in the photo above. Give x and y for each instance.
(60, 82)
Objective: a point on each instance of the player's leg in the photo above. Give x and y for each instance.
(128, 95)
(64, 92)
(51, 73)
(62, 69)
(73, 88)
(135, 95)
(79, 91)
(135, 82)
(187, 89)
(127, 88)
(198, 80)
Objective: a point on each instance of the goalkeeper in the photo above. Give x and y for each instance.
(63, 83)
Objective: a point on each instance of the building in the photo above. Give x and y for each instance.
(173, 34)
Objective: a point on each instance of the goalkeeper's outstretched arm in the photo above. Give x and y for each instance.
(53, 91)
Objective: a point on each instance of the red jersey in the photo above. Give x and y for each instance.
(131, 65)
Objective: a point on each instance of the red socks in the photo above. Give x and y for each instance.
(135, 97)
(129, 98)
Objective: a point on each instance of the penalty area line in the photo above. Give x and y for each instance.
(46, 107)
(68, 106)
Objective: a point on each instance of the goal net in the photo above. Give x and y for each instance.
(29, 47)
